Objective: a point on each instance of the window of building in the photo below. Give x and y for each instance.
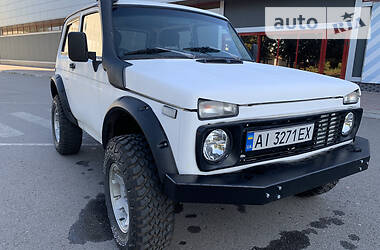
(56, 28)
(33, 28)
(334, 55)
(93, 29)
(26, 28)
(309, 51)
(72, 27)
(40, 28)
(327, 57)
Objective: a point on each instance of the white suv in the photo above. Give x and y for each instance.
(185, 115)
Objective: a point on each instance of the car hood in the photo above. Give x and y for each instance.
(181, 82)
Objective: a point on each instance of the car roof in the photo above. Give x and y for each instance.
(168, 5)
(154, 4)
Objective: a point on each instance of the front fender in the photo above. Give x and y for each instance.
(152, 129)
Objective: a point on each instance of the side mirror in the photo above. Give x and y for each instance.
(78, 50)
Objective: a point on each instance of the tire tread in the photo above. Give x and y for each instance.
(70, 134)
(152, 216)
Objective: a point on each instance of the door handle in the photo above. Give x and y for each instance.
(72, 65)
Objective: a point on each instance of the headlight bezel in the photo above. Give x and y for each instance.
(229, 145)
(352, 98)
(231, 158)
(348, 132)
(229, 109)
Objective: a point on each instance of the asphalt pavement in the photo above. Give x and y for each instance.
(48, 201)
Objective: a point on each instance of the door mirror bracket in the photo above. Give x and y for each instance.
(95, 62)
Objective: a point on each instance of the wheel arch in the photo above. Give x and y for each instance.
(118, 121)
(57, 88)
(135, 116)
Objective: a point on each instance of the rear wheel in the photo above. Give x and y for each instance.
(66, 135)
(319, 190)
(140, 214)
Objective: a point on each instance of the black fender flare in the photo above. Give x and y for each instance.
(152, 130)
(57, 82)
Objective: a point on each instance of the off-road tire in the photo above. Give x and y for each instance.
(319, 190)
(70, 135)
(151, 212)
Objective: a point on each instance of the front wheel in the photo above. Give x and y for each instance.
(67, 136)
(140, 214)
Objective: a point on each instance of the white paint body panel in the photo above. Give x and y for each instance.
(181, 82)
(184, 81)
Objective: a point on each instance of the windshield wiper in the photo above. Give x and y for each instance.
(147, 51)
(203, 50)
(223, 60)
(206, 50)
(157, 50)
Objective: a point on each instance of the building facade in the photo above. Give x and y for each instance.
(30, 31)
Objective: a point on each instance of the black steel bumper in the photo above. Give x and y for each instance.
(264, 184)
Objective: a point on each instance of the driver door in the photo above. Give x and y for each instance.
(88, 83)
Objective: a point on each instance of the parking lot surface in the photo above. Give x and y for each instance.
(48, 201)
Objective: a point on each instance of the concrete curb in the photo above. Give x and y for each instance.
(26, 73)
(40, 64)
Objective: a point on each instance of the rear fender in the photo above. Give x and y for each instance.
(57, 88)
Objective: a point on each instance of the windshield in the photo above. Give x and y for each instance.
(148, 32)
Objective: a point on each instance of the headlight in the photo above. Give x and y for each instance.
(352, 98)
(348, 124)
(216, 145)
(213, 109)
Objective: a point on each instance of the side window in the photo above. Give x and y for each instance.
(72, 27)
(93, 29)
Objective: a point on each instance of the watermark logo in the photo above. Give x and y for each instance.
(300, 21)
(348, 23)
(317, 23)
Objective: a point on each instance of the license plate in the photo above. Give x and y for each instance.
(265, 139)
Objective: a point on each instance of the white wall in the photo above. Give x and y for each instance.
(217, 11)
(371, 66)
(26, 11)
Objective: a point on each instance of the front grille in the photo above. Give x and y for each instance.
(326, 133)
(329, 127)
